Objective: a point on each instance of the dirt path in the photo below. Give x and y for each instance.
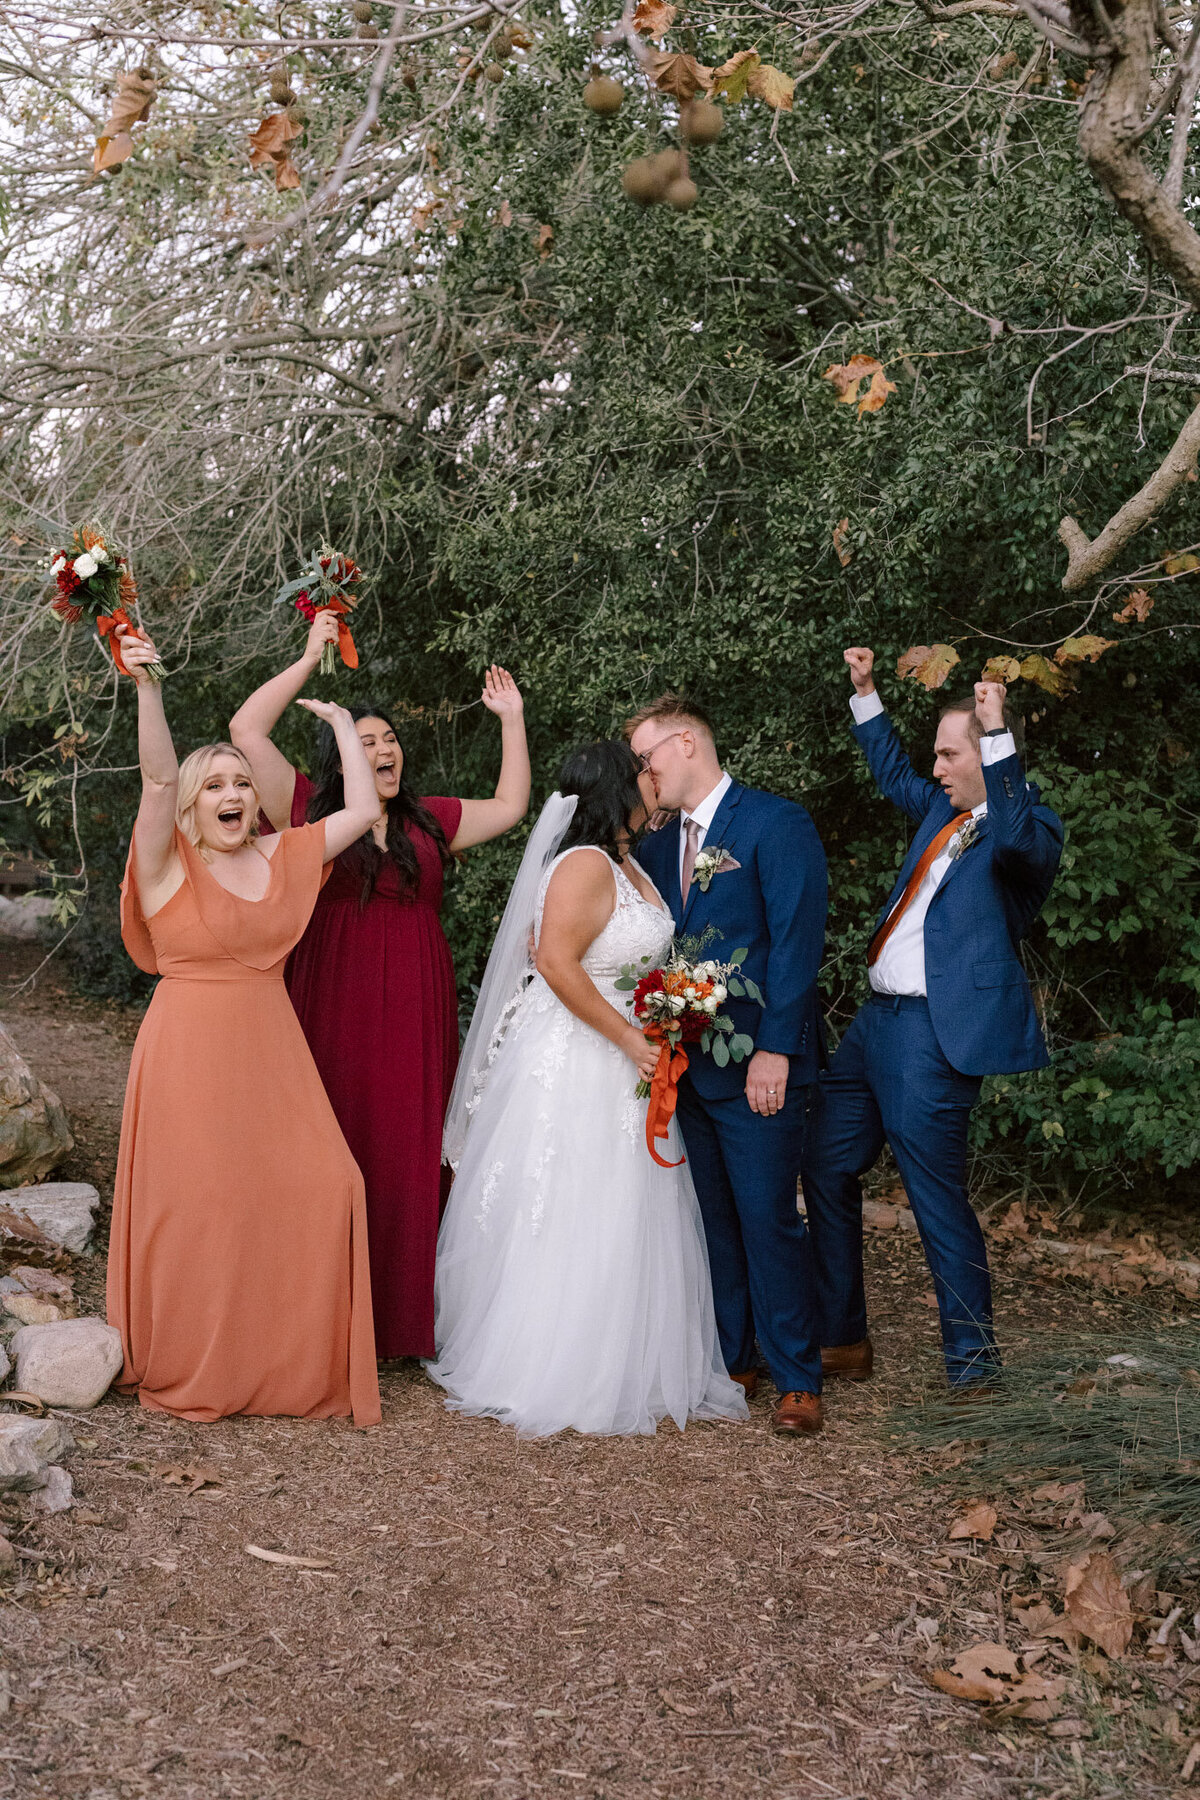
(719, 1613)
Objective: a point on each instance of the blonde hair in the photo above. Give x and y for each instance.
(193, 773)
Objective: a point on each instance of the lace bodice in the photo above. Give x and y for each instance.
(638, 927)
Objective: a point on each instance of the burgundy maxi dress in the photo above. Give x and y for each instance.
(373, 988)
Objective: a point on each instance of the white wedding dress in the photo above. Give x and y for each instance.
(572, 1285)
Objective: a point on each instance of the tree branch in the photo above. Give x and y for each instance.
(1089, 557)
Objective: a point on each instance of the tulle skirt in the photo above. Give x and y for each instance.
(572, 1284)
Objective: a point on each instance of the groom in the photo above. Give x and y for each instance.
(750, 865)
(949, 1004)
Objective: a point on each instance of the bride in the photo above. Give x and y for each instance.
(572, 1284)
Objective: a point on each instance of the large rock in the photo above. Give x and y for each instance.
(62, 1210)
(70, 1364)
(34, 1134)
(24, 915)
(57, 1493)
(27, 1448)
(28, 1309)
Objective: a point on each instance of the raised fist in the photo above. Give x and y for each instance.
(989, 704)
(861, 662)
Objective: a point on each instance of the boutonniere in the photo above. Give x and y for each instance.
(716, 861)
(965, 838)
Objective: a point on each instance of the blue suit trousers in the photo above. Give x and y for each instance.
(889, 1080)
(745, 1169)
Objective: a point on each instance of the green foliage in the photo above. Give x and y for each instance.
(607, 457)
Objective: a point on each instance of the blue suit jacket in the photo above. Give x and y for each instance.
(979, 1000)
(773, 907)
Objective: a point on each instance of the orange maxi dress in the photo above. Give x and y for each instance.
(238, 1273)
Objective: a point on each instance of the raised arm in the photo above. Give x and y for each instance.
(251, 726)
(895, 776)
(358, 783)
(155, 858)
(579, 904)
(485, 819)
(1026, 839)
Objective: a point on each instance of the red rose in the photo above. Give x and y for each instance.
(649, 984)
(304, 605)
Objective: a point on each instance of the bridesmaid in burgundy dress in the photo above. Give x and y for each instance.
(371, 979)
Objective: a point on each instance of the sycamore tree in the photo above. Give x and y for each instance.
(678, 346)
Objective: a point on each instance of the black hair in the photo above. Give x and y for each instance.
(605, 777)
(365, 859)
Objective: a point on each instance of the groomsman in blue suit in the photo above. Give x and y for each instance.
(750, 865)
(949, 1004)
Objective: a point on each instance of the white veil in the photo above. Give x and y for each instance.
(506, 972)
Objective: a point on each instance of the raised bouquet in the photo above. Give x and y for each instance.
(329, 584)
(93, 580)
(680, 1003)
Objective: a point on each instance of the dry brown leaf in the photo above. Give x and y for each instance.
(18, 1226)
(876, 394)
(839, 541)
(772, 85)
(110, 151)
(732, 80)
(846, 377)
(1097, 1604)
(654, 17)
(130, 104)
(1182, 565)
(979, 1521)
(505, 215)
(998, 69)
(929, 664)
(1001, 668)
(1139, 606)
(290, 1562)
(287, 175)
(33, 1402)
(1046, 676)
(992, 1675)
(545, 238)
(189, 1476)
(1087, 648)
(272, 138)
(674, 73)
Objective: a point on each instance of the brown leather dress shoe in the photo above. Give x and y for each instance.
(798, 1415)
(748, 1380)
(849, 1362)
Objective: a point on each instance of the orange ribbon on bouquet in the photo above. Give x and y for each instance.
(106, 625)
(346, 643)
(664, 1094)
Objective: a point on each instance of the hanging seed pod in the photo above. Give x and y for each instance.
(667, 166)
(603, 95)
(640, 181)
(493, 73)
(364, 12)
(368, 31)
(408, 76)
(701, 122)
(281, 93)
(503, 47)
(681, 193)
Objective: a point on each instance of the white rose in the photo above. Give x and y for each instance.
(690, 992)
(711, 1003)
(100, 553)
(718, 994)
(677, 1002)
(85, 565)
(60, 562)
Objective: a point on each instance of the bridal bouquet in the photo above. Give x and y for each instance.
(328, 585)
(93, 580)
(680, 1003)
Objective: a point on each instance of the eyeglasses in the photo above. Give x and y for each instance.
(644, 759)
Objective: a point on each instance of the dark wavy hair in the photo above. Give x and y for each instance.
(605, 776)
(365, 859)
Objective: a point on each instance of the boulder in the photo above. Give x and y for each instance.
(58, 1493)
(23, 915)
(72, 1363)
(34, 1134)
(5, 1365)
(62, 1211)
(27, 1448)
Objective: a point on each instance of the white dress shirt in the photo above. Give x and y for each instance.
(703, 815)
(900, 965)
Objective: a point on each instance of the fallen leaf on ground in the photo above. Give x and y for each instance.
(1097, 1604)
(189, 1476)
(991, 1675)
(290, 1562)
(979, 1521)
(928, 663)
(18, 1226)
(16, 1398)
(1139, 606)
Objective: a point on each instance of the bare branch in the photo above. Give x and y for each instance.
(1087, 557)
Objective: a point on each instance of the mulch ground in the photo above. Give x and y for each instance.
(714, 1613)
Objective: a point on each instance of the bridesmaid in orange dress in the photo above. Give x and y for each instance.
(238, 1273)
